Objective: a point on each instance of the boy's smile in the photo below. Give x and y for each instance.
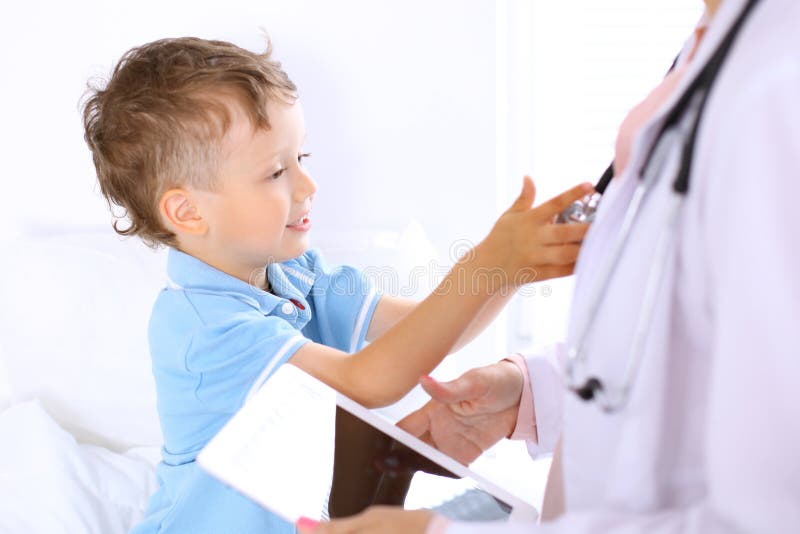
(303, 224)
(258, 212)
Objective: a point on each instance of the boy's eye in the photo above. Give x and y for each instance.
(279, 173)
(276, 175)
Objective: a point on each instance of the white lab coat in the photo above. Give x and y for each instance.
(710, 439)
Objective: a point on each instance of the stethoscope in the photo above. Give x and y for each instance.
(679, 130)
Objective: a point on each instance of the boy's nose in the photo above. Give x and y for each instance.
(306, 186)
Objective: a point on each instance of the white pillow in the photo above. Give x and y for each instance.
(49, 483)
(73, 324)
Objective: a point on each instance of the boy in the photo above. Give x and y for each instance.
(201, 143)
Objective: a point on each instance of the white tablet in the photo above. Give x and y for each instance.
(279, 451)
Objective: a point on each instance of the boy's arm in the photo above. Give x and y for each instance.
(388, 313)
(385, 370)
(390, 310)
(523, 244)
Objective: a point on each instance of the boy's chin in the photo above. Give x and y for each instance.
(291, 253)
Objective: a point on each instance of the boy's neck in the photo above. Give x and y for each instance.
(254, 276)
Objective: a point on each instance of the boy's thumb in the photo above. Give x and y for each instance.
(525, 199)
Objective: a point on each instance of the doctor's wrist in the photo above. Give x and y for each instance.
(525, 422)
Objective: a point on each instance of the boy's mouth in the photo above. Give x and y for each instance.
(302, 224)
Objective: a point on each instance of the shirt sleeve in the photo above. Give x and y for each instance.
(752, 426)
(344, 301)
(234, 358)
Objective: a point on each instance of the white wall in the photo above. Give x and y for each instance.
(399, 99)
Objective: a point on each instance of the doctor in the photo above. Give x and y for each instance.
(682, 364)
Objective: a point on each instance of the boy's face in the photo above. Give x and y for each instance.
(259, 211)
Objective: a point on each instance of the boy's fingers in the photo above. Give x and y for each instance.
(557, 204)
(560, 254)
(427, 438)
(564, 233)
(525, 199)
(554, 271)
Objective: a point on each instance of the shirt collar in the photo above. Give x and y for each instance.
(288, 281)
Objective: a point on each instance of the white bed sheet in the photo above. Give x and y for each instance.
(50, 483)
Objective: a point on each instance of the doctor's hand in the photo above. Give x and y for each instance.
(470, 414)
(376, 519)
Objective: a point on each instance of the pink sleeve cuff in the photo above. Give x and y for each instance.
(526, 417)
(438, 525)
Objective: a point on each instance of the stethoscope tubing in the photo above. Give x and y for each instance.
(654, 279)
(680, 129)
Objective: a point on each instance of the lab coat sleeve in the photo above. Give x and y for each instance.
(547, 389)
(753, 266)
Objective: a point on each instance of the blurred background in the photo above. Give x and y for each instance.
(422, 116)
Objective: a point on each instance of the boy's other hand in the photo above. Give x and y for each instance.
(525, 242)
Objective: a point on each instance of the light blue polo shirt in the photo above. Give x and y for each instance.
(214, 340)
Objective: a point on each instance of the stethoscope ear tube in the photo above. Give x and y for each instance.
(605, 179)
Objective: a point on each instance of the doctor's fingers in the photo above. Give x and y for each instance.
(557, 204)
(463, 449)
(417, 423)
(478, 432)
(456, 441)
(468, 387)
(440, 427)
(453, 445)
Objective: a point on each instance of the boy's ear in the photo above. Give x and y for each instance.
(180, 213)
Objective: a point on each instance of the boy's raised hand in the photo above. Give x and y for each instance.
(525, 242)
